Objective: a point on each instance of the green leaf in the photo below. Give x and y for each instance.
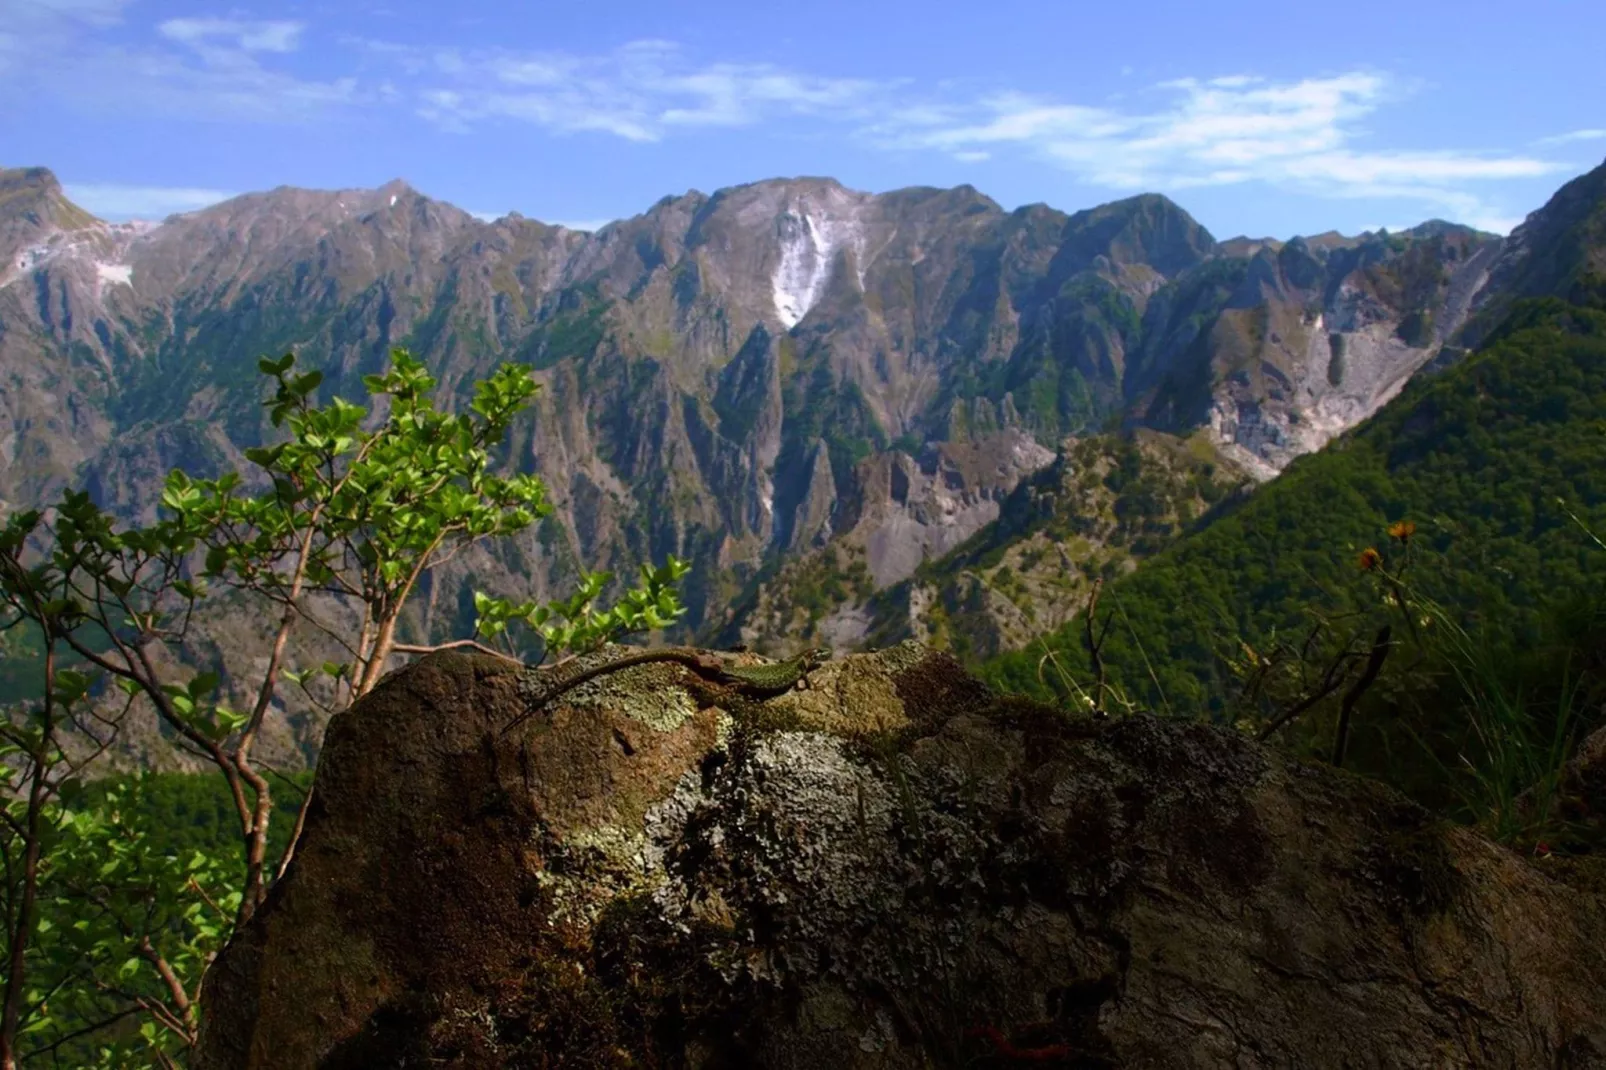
(203, 684)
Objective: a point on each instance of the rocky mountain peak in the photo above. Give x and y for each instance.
(1329, 240)
(1149, 229)
(1435, 228)
(727, 373)
(32, 207)
(17, 183)
(1550, 252)
(38, 223)
(1245, 246)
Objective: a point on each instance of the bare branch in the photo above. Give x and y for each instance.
(456, 644)
(1374, 665)
(295, 836)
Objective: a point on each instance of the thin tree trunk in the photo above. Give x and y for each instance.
(16, 964)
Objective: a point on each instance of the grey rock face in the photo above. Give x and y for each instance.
(729, 377)
(892, 869)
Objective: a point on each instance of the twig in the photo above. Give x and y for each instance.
(295, 836)
(1374, 665)
(1095, 645)
(82, 1031)
(456, 644)
(1331, 682)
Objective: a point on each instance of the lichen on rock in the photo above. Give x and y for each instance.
(893, 867)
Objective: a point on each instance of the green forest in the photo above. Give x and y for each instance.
(1498, 466)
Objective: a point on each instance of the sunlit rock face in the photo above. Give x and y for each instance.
(1323, 332)
(813, 232)
(728, 377)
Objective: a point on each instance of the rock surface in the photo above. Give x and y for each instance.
(728, 377)
(892, 868)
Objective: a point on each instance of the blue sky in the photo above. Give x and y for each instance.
(1259, 118)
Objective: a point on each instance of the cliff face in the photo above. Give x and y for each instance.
(1558, 251)
(1011, 566)
(719, 368)
(892, 868)
(1301, 341)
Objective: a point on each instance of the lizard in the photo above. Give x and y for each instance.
(773, 678)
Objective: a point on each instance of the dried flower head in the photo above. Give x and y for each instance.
(1402, 530)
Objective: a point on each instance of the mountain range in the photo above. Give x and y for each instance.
(786, 383)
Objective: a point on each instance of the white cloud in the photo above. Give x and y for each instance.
(1300, 136)
(1572, 136)
(1303, 135)
(640, 92)
(272, 36)
(227, 84)
(31, 31)
(92, 12)
(197, 68)
(1494, 223)
(118, 202)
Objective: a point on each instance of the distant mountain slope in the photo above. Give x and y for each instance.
(1554, 253)
(1477, 456)
(729, 377)
(1106, 503)
(1240, 376)
(1480, 458)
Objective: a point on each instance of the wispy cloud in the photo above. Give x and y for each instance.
(196, 68)
(1572, 136)
(30, 29)
(642, 92)
(118, 202)
(35, 12)
(1302, 135)
(272, 36)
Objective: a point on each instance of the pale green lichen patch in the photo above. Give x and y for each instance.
(848, 698)
(902, 657)
(592, 867)
(644, 693)
(648, 693)
(724, 725)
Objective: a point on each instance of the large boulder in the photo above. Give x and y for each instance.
(893, 867)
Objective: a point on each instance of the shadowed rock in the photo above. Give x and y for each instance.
(892, 868)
